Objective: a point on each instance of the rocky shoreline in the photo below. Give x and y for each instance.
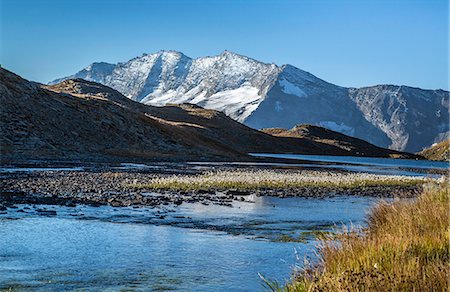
(116, 188)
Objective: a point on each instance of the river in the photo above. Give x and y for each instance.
(192, 247)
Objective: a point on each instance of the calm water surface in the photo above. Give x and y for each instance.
(191, 247)
(188, 248)
(367, 164)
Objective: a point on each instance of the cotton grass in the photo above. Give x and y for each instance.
(276, 179)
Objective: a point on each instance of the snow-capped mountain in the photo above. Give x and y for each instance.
(264, 95)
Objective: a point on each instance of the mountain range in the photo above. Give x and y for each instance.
(86, 121)
(264, 95)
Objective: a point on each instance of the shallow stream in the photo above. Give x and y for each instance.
(190, 247)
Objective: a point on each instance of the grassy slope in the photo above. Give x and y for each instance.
(404, 248)
(440, 151)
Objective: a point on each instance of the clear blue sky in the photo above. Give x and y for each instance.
(349, 43)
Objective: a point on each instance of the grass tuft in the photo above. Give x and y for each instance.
(405, 247)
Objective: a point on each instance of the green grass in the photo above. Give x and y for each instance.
(305, 236)
(290, 238)
(405, 247)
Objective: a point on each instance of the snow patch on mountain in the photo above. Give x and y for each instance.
(290, 88)
(342, 128)
(266, 95)
(278, 106)
(236, 103)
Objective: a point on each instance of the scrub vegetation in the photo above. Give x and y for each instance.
(439, 151)
(405, 247)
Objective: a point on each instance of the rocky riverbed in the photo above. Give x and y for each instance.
(122, 187)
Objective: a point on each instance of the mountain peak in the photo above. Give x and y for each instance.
(265, 95)
(172, 53)
(166, 53)
(99, 66)
(227, 53)
(230, 54)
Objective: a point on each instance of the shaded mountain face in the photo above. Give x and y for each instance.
(353, 146)
(264, 95)
(86, 121)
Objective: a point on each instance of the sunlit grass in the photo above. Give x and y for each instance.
(305, 236)
(271, 179)
(405, 247)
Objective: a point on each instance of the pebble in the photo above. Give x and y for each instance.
(109, 188)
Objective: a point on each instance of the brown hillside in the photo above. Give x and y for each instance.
(86, 121)
(439, 151)
(348, 145)
(81, 120)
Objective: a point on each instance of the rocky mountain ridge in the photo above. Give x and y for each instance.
(86, 121)
(83, 120)
(264, 95)
(354, 146)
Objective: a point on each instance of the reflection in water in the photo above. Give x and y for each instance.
(190, 247)
(372, 161)
(218, 247)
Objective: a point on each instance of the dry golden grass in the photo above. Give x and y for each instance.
(439, 151)
(405, 247)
